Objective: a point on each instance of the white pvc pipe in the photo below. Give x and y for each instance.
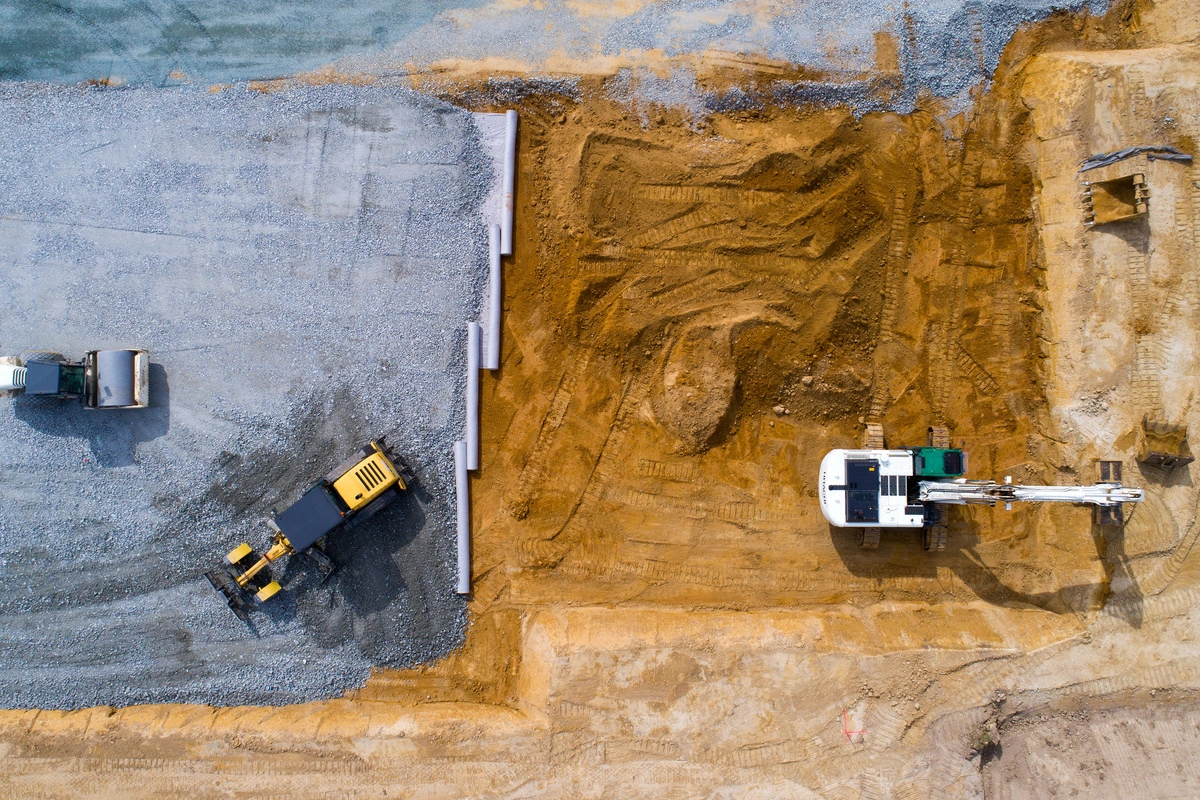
(464, 518)
(510, 166)
(472, 395)
(492, 360)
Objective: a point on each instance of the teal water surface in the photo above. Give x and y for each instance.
(144, 41)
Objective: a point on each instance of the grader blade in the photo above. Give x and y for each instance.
(225, 583)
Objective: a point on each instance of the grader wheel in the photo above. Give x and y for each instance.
(238, 553)
(870, 538)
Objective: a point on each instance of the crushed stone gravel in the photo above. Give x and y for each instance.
(300, 265)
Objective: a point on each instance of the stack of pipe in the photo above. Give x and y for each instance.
(466, 453)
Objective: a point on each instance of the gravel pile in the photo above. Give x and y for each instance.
(301, 266)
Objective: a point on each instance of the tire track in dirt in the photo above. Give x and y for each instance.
(945, 360)
(517, 503)
(898, 233)
(1131, 745)
(681, 471)
(540, 552)
(970, 368)
(703, 217)
(1145, 387)
(735, 512)
(687, 260)
(725, 195)
(950, 737)
(1174, 674)
(884, 726)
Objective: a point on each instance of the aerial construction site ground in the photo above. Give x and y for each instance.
(730, 252)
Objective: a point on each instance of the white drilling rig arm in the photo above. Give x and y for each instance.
(964, 492)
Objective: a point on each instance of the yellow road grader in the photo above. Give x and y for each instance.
(357, 489)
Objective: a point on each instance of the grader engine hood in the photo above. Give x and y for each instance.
(367, 481)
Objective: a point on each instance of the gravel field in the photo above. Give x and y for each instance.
(300, 265)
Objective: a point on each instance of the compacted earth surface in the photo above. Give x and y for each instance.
(701, 302)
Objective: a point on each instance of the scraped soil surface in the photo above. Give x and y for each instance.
(703, 314)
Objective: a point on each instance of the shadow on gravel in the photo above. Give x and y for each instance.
(112, 434)
(368, 599)
(366, 555)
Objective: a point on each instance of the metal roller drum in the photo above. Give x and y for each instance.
(115, 373)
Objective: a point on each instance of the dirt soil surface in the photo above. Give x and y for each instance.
(696, 311)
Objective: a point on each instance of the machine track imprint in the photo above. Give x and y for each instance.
(542, 552)
(681, 471)
(517, 503)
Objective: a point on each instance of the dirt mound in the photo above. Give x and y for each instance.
(698, 385)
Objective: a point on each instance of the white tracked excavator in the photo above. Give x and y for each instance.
(876, 487)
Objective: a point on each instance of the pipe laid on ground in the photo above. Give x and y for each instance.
(492, 361)
(473, 395)
(464, 518)
(510, 166)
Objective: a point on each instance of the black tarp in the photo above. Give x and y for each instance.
(1152, 152)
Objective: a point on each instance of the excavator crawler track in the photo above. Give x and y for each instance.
(873, 436)
(869, 539)
(939, 436)
(935, 537)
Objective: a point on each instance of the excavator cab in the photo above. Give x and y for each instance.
(939, 462)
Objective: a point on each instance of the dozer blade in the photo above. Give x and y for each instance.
(224, 583)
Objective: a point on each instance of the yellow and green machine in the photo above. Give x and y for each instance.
(355, 490)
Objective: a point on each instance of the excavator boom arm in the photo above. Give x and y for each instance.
(964, 492)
